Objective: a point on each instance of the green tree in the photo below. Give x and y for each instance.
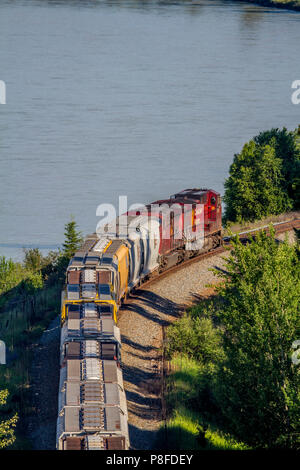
(254, 187)
(33, 282)
(33, 259)
(7, 427)
(73, 239)
(10, 274)
(258, 384)
(287, 149)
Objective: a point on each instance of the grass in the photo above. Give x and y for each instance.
(20, 327)
(184, 428)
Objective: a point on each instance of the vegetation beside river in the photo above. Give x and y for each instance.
(264, 178)
(286, 4)
(30, 294)
(234, 384)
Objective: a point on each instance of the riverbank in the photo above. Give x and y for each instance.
(283, 4)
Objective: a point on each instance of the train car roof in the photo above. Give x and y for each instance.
(84, 348)
(95, 442)
(95, 418)
(92, 368)
(193, 192)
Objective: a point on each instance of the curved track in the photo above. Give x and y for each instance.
(279, 227)
(142, 320)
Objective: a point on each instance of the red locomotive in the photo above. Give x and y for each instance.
(190, 224)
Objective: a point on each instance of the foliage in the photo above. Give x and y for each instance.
(194, 346)
(258, 384)
(237, 377)
(29, 300)
(188, 427)
(290, 4)
(196, 337)
(264, 178)
(288, 151)
(33, 259)
(19, 279)
(73, 239)
(253, 189)
(7, 427)
(10, 274)
(33, 282)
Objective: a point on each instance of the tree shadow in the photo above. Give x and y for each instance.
(141, 439)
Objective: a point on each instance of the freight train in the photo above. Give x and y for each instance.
(92, 409)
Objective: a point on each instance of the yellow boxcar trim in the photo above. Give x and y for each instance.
(81, 301)
(109, 243)
(122, 254)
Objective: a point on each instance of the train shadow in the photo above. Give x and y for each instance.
(135, 345)
(143, 404)
(146, 300)
(141, 439)
(142, 363)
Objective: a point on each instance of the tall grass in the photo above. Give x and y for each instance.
(184, 429)
(22, 321)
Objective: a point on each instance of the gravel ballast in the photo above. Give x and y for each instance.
(141, 324)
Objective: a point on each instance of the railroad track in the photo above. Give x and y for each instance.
(144, 320)
(280, 227)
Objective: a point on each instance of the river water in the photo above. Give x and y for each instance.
(136, 98)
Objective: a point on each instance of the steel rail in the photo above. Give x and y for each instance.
(280, 227)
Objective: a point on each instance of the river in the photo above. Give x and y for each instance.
(136, 98)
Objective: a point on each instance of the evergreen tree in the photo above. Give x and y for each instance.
(73, 239)
(33, 259)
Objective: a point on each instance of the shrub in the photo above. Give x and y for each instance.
(196, 337)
